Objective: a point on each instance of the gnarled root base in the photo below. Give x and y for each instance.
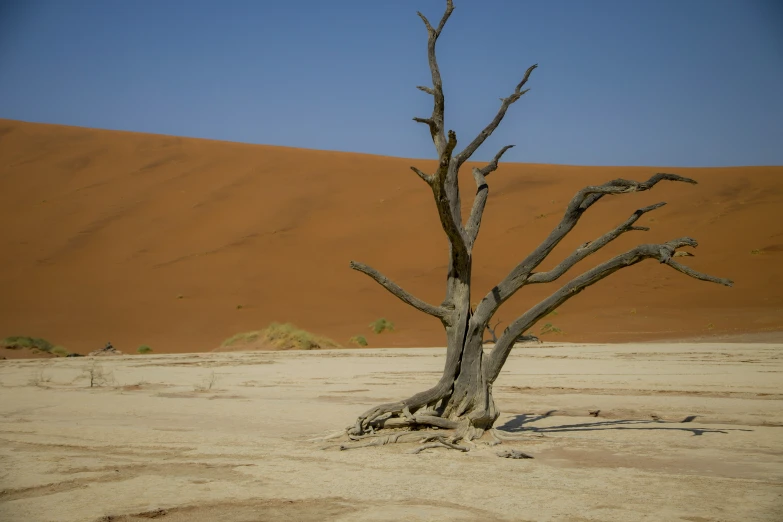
(428, 439)
(440, 422)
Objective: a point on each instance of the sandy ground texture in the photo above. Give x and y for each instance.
(685, 432)
(126, 237)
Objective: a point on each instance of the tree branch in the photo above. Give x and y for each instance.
(591, 247)
(493, 165)
(463, 156)
(695, 274)
(443, 182)
(423, 175)
(401, 294)
(589, 195)
(446, 198)
(434, 129)
(437, 127)
(482, 191)
(479, 202)
(663, 252)
(582, 201)
(491, 330)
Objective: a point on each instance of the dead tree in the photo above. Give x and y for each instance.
(461, 401)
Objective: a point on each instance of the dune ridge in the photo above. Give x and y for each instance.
(179, 243)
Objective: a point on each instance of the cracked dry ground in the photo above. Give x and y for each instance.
(689, 432)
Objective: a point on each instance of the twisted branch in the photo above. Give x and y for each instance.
(435, 122)
(591, 247)
(482, 191)
(582, 201)
(468, 151)
(401, 294)
(663, 252)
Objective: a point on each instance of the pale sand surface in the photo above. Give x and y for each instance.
(239, 452)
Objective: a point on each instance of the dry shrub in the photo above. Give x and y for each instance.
(278, 336)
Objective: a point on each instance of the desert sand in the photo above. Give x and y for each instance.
(685, 432)
(180, 243)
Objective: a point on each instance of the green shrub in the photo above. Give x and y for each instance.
(60, 351)
(281, 336)
(19, 342)
(382, 325)
(287, 336)
(242, 338)
(144, 349)
(359, 340)
(549, 328)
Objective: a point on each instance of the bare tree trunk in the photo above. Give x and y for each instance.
(461, 401)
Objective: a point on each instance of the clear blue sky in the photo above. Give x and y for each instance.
(620, 82)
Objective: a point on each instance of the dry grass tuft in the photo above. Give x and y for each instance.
(278, 336)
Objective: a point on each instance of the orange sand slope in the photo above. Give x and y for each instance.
(179, 243)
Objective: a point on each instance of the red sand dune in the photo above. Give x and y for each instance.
(103, 232)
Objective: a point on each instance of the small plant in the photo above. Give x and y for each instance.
(521, 338)
(242, 338)
(144, 349)
(633, 311)
(20, 342)
(710, 326)
(281, 336)
(207, 383)
(550, 328)
(39, 379)
(552, 313)
(382, 325)
(97, 375)
(239, 307)
(180, 296)
(755, 252)
(59, 351)
(359, 340)
(287, 336)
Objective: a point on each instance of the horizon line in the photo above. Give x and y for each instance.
(336, 151)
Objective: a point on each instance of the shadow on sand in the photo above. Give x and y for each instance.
(522, 423)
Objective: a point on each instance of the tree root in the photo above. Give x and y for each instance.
(398, 414)
(403, 421)
(441, 442)
(364, 441)
(428, 438)
(331, 436)
(513, 454)
(415, 420)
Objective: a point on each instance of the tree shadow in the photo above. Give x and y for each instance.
(522, 423)
(517, 424)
